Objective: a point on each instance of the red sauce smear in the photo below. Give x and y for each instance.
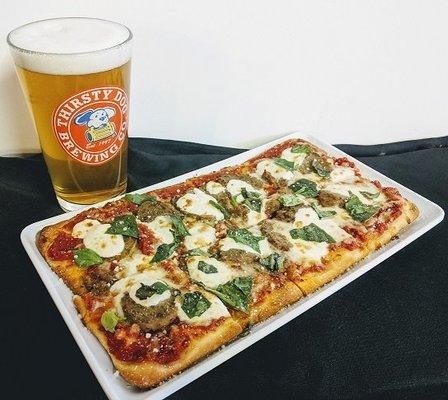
(146, 239)
(314, 268)
(173, 191)
(356, 233)
(344, 162)
(63, 246)
(162, 347)
(392, 193)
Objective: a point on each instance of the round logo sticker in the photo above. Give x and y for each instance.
(92, 125)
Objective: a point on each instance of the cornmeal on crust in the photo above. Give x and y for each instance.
(165, 278)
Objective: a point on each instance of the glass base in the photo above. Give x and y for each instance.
(68, 206)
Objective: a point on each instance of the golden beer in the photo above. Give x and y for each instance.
(79, 103)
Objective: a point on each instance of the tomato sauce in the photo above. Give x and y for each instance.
(146, 239)
(107, 213)
(63, 246)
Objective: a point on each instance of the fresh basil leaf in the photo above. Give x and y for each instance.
(125, 225)
(165, 250)
(220, 208)
(195, 252)
(320, 168)
(207, 268)
(146, 291)
(109, 320)
(274, 262)
(370, 196)
(311, 233)
(179, 226)
(86, 258)
(244, 236)
(291, 199)
(194, 304)
(251, 199)
(301, 148)
(289, 165)
(323, 213)
(235, 293)
(358, 210)
(139, 198)
(305, 187)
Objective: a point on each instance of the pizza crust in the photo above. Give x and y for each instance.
(343, 259)
(148, 373)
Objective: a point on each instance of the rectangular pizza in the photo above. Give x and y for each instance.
(165, 278)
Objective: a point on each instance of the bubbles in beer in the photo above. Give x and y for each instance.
(70, 46)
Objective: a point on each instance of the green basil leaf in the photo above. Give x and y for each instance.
(86, 258)
(195, 252)
(146, 291)
(320, 168)
(194, 304)
(179, 226)
(370, 196)
(207, 268)
(323, 213)
(165, 250)
(305, 187)
(291, 199)
(251, 199)
(220, 208)
(274, 262)
(139, 198)
(243, 236)
(289, 165)
(358, 210)
(301, 148)
(109, 320)
(311, 233)
(235, 293)
(125, 225)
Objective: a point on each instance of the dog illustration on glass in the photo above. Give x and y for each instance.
(98, 122)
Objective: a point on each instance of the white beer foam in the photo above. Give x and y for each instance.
(70, 46)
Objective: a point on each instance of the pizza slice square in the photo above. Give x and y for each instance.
(153, 327)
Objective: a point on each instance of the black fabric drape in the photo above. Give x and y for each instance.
(383, 336)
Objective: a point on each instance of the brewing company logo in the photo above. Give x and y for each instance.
(92, 125)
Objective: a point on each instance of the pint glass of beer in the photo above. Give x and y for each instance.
(75, 75)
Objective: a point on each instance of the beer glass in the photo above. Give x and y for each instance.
(75, 74)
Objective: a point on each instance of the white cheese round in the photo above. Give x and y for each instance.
(102, 243)
(131, 263)
(80, 229)
(343, 174)
(234, 187)
(216, 310)
(198, 203)
(212, 280)
(275, 170)
(213, 187)
(297, 158)
(162, 226)
(201, 235)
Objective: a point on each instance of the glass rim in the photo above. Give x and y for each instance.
(80, 53)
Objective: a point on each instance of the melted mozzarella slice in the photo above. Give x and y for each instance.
(213, 187)
(234, 187)
(212, 280)
(132, 283)
(162, 227)
(81, 228)
(216, 310)
(343, 174)
(201, 235)
(131, 263)
(275, 170)
(102, 243)
(344, 189)
(198, 203)
(305, 216)
(297, 158)
(229, 244)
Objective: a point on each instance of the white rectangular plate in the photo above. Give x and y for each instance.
(115, 387)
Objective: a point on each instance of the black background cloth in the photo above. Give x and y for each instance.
(385, 335)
